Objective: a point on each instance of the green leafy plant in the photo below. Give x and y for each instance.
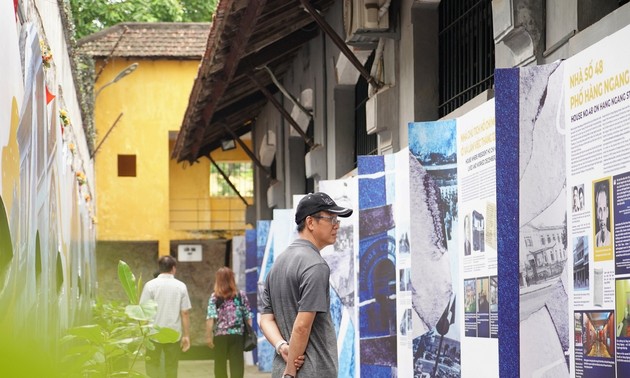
(90, 16)
(119, 337)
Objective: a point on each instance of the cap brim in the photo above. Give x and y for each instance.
(340, 211)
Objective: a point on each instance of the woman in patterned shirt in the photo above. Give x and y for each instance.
(227, 307)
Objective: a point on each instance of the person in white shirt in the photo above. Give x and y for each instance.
(173, 306)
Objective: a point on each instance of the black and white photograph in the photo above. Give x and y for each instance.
(602, 213)
(544, 336)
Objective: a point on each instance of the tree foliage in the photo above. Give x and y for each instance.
(91, 16)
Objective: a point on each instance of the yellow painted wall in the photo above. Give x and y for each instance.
(190, 190)
(153, 100)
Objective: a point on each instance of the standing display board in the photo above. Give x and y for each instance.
(564, 210)
(434, 249)
(341, 259)
(477, 249)
(377, 266)
(531, 211)
(597, 128)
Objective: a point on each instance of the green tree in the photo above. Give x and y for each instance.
(91, 16)
(198, 10)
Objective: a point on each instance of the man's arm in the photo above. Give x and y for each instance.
(185, 343)
(270, 329)
(299, 339)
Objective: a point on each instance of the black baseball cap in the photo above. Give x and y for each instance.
(315, 202)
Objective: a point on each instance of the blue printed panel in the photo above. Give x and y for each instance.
(507, 144)
(264, 241)
(377, 267)
(621, 217)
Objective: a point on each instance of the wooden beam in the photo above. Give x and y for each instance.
(276, 50)
(237, 47)
(282, 110)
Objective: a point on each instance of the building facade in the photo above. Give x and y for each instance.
(430, 60)
(151, 206)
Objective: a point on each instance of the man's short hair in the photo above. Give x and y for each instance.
(166, 263)
(602, 187)
(301, 225)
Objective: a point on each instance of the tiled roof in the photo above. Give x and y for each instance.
(178, 40)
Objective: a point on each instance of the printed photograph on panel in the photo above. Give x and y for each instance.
(467, 235)
(599, 334)
(577, 198)
(580, 263)
(494, 294)
(594, 344)
(544, 317)
(434, 248)
(622, 307)
(602, 213)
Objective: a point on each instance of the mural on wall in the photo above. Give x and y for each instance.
(377, 266)
(434, 249)
(47, 265)
(341, 260)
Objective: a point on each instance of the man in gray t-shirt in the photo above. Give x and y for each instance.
(296, 298)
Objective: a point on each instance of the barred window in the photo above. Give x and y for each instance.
(241, 174)
(466, 51)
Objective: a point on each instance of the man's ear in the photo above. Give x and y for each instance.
(309, 222)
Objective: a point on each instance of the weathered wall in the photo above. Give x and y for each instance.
(142, 256)
(199, 277)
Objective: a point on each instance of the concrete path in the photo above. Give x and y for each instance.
(205, 369)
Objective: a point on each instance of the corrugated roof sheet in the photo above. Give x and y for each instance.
(178, 40)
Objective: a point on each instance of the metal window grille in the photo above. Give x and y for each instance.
(466, 51)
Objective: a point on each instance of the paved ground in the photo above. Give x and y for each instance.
(205, 369)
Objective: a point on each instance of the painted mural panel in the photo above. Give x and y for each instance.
(377, 266)
(434, 246)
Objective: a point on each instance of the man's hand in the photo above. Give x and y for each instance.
(185, 343)
(210, 342)
(284, 352)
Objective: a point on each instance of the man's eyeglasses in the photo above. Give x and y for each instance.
(333, 220)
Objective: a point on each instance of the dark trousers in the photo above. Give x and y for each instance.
(228, 347)
(162, 362)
